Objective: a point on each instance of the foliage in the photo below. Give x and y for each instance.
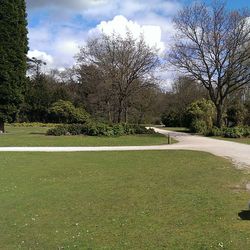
(184, 91)
(33, 124)
(220, 63)
(13, 49)
(99, 129)
(41, 92)
(65, 112)
(201, 114)
(236, 114)
(198, 126)
(171, 119)
(118, 68)
(236, 132)
(214, 131)
(229, 132)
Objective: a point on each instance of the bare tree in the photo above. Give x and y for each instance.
(125, 65)
(212, 46)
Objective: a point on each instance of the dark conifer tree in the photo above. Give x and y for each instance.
(13, 50)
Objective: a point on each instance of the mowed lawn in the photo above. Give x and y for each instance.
(35, 136)
(121, 200)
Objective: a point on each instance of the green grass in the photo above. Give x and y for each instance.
(35, 136)
(121, 200)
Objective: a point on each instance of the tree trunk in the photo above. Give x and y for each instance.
(126, 115)
(2, 127)
(119, 119)
(219, 115)
(109, 113)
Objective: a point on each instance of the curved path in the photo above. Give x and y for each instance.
(238, 153)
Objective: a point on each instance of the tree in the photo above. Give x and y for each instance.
(125, 65)
(65, 112)
(184, 91)
(212, 46)
(13, 49)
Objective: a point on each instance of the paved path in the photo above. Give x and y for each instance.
(238, 153)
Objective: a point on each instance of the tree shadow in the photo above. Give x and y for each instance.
(244, 214)
(36, 133)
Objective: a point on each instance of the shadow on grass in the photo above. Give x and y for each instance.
(37, 133)
(244, 214)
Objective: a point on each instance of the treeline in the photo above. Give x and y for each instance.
(113, 81)
(72, 95)
(187, 95)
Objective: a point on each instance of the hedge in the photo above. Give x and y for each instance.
(99, 129)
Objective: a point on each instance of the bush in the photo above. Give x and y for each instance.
(229, 132)
(214, 132)
(236, 114)
(58, 131)
(198, 126)
(65, 112)
(99, 129)
(170, 119)
(236, 132)
(32, 124)
(201, 115)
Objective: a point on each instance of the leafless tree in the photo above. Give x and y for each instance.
(212, 46)
(124, 65)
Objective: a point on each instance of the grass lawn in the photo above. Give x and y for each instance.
(121, 200)
(35, 136)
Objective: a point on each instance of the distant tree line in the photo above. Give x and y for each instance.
(113, 81)
(114, 77)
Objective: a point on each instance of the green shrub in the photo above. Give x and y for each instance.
(236, 132)
(65, 112)
(171, 119)
(119, 129)
(99, 129)
(32, 124)
(236, 114)
(201, 115)
(58, 131)
(229, 132)
(214, 132)
(198, 126)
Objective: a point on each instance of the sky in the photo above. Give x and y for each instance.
(57, 28)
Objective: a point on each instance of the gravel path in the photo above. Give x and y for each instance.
(238, 153)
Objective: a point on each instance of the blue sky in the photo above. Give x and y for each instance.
(58, 27)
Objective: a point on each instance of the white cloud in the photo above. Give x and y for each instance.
(48, 59)
(62, 43)
(59, 35)
(41, 55)
(121, 25)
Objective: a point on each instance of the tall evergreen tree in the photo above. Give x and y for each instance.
(13, 50)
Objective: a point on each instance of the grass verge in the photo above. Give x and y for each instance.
(121, 200)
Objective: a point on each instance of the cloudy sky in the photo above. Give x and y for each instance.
(58, 27)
